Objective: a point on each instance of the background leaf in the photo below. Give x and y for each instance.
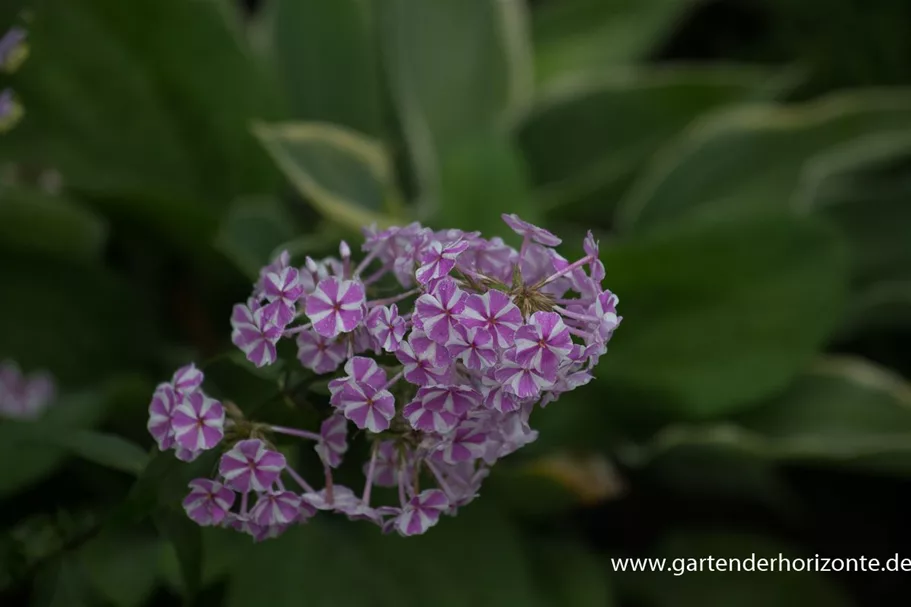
(746, 588)
(251, 231)
(864, 187)
(748, 161)
(37, 222)
(587, 35)
(123, 101)
(697, 344)
(121, 565)
(326, 54)
(586, 136)
(35, 460)
(459, 70)
(346, 176)
(843, 411)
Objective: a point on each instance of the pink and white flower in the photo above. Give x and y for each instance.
(208, 502)
(198, 422)
(336, 306)
(251, 466)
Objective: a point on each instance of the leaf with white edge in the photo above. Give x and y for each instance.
(35, 221)
(585, 35)
(718, 316)
(325, 53)
(844, 411)
(345, 175)
(748, 161)
(458, 69)
(742, 583)
(140, 111)
(864, 187)
(586, 136)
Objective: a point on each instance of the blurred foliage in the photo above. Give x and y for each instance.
(746, 165)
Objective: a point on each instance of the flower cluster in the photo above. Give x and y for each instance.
(24, 396)
(13, 51)
(440, 344)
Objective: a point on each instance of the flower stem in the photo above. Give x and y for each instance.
(295, 432)
(393, 299)
(299, 480)
(297, 329)
(371, 468)
(440, 481)
(566, 270)
(575, 315)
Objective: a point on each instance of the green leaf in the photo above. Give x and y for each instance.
(863, 187)
(161, 483)
(843, 411)
(346, 176)
(223, 549)
(748, 161)
(79, 323)
(472, 559)
(251, 230)
(103, 449)
(483, 178)
(64, 583)
(38, 222)
(568, 575)
(458, 69)
(36, 461)
(140, 111)
(326, 54)
(884, 306)
(586, 136)
(743, 588)
(586, 35)
(185, 537)
(718, 316)
(121, 565)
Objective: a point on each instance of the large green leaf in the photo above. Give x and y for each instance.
(251, 230)
(748, 161)
(747, 587)
(121, 565)
(35, 461)
(345, 175)
(326, 54)
(106, 450)
(586, 136)
(151, 99)
(79, 323)
(718, 316)
(568, 575)
(472, 559)
(864, 187)
(185, 537)
(34, 221)
(484, 177)
(459, 69)
(842, 411)
(587, 35)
